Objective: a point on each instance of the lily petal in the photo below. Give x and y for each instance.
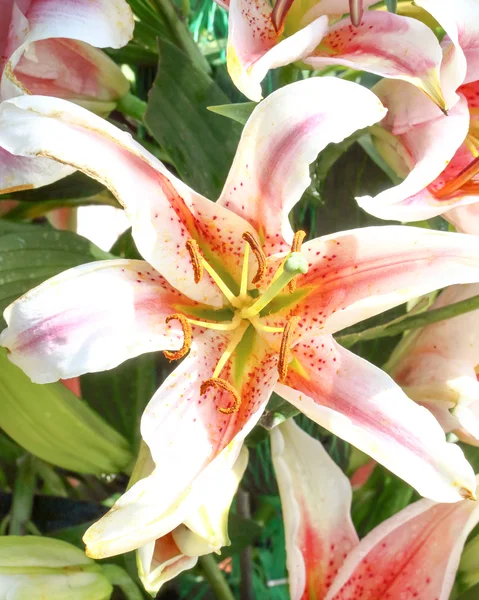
(388, 45)
(465, 217)
(361, 404)
(191, 443)
(414, 554)
(164, 212)
(316, 502)
(91, 318)
(412, 200)
(282, 137)
(354, 275)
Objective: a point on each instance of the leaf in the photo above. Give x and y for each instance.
(240, 112)
(242, 532)
(30, 254)
(201, 144)
(76, 185)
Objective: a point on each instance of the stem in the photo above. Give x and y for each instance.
(215, 577)
(131, 106)
(246, 555)
(411, 322)
(23, 493)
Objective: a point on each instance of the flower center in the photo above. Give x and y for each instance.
(246, 308)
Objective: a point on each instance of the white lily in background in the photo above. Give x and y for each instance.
(437, 155)
(414, 554)
(264, 35)
(232, 287)
(48, 47)
(436, 366)
(204, 531)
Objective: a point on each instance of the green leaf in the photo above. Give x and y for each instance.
(76, 185)
(30, 254)
(201, 144)
(392, 5)
(240, 112)
(242, 532)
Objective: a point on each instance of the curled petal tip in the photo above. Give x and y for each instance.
(467, 494)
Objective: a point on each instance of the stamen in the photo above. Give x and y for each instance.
(296, 247)
(225, 386)
(457, 183)
(356, 12)
(284, 352)
(187, 336)
(194, 251)
(255, 321)
(228, 326)
(259, 254)
(279, 14)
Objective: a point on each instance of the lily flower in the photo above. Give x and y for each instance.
(264, 35)
(204, 531)
(436, 366)
(47, 47)
(231, 288)
(414, 554)
(437, 155)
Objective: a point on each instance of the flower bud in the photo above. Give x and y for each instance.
(52, 423)
(34, 568)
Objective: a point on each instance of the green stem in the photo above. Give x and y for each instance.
(411, 322)
(23, 493)
(131, 106)
(215, 577)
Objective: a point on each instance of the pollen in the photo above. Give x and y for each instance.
(187, 337)
(284, 352)
(195, 256)
(296, 247)
(259, 254)
(225, 386)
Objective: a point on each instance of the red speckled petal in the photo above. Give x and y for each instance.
(316, 502)
(189, 440)
(436, 365)
(91, 318)
(362, 405)
(413, 555)
(164, 212)
(354, 275)
(388, 45)
(282, 137)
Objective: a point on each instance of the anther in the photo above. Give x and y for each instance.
(460, 181)
(195, 256)
(187, 336)
(225, 386)
(356, 12)
(296, 247)
(259, 254)
(284, 352)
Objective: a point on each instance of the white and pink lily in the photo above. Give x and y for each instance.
(436, 366)
(49, 47)
(414, 554)
(232, 287)
(437, 155)
(204, 531)
(264, 35)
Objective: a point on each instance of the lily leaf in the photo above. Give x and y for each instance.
(240, 112)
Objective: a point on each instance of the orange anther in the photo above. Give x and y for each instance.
(194, 252)
(296, 247)
(225, 386)
(284, 352)
(259, 254)
(187, 336)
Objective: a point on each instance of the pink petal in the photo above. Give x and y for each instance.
(354, 275)
(465, 218)
(282, 137)
(164, 212)
(414, 554)
(430, 147)
(316, 502)
(361, 404)
(388, 45)
(191, 442)
(91, 318)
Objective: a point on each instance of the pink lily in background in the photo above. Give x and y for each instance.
(437, 155)
(263, 37)
(414, 554)
(230, 287)
(203, 532)
(436, 366)
(47, 48)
